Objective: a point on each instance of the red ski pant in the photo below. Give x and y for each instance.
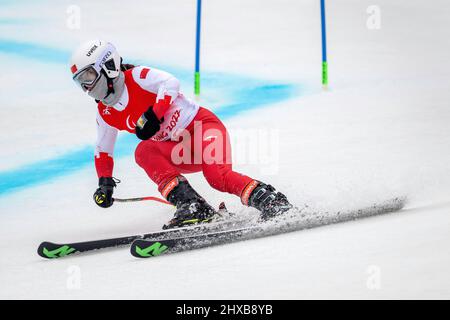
(204, 146)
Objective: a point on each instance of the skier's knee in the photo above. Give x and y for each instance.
(216, 177)
(138, 154)
(143, 151)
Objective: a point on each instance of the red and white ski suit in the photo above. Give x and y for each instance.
(145, 87)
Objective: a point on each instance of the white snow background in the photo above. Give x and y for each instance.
(381, 130)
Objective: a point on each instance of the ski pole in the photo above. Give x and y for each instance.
(142, 199)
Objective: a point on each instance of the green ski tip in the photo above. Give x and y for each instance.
(155, 249)
(58, 252)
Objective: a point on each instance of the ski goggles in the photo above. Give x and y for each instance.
(87, 77)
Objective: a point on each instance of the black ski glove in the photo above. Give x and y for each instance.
(147, 125)
(103, 195)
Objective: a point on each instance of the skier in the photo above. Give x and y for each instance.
(148, 102)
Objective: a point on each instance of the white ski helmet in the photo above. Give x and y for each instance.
(90, 62)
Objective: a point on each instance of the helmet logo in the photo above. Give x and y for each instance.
(91, 50)
(107, 55)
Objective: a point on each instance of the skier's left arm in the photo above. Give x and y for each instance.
(166, 87)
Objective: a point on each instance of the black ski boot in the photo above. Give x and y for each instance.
(264, 198)
(191, 207)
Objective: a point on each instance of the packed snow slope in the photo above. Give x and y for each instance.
(381, 130)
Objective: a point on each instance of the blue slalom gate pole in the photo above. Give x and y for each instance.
(324, 45)
(197, 49)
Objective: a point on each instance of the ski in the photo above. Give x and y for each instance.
(51, 250)
(293, 221)
(145, 248)
(221, 231)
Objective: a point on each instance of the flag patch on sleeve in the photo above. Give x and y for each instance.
(144, 72)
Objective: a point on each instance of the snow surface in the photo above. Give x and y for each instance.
(381, 130)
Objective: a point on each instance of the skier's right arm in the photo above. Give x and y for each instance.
(104, 162)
